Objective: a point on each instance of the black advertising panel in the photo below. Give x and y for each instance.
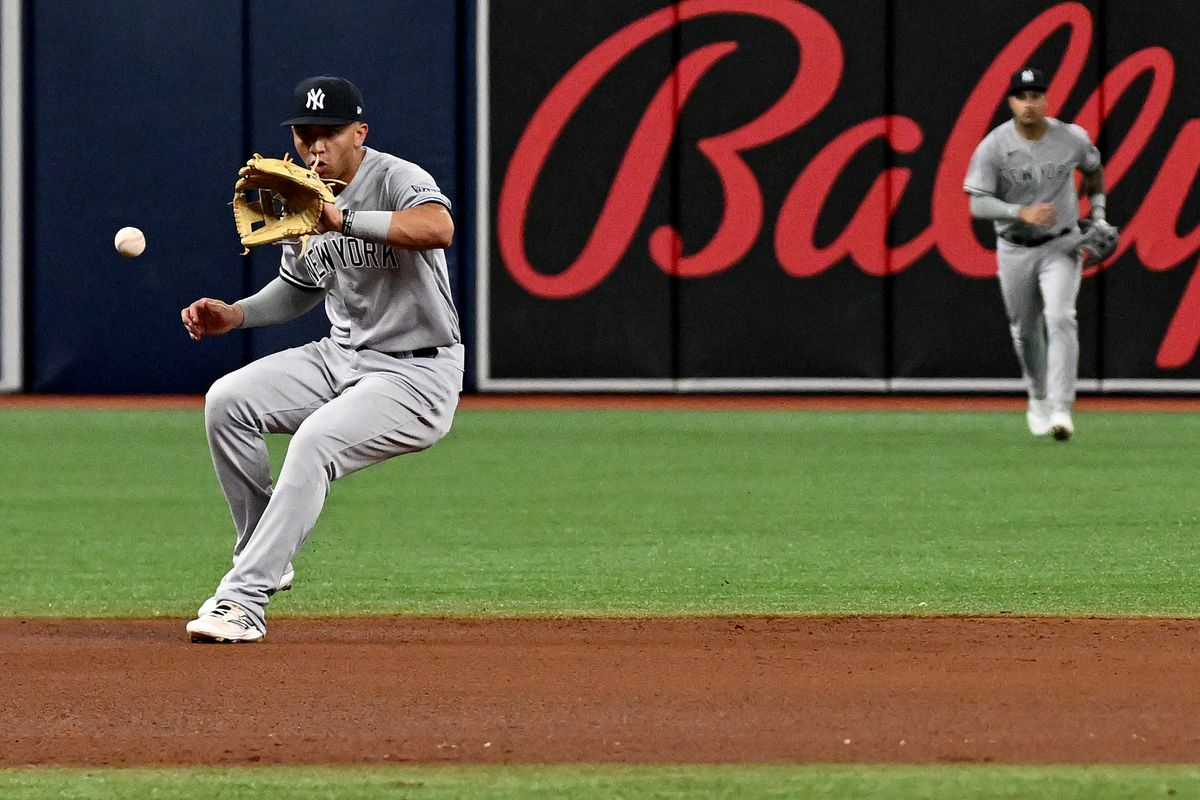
(1151, 140)
(741, 194)
(579, 97)
(780, 147)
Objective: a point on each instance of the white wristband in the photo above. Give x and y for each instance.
(1099, 203)
(370, 225)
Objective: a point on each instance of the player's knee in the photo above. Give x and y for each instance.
(310, 463)
(439, 428)
(423, 434)
(1024, 331)
(1062, 321)
(310, 450)
(222, 402)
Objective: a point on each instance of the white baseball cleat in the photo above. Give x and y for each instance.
(285, 585)
(1061, 427)
(1038, 417)
(227, 623)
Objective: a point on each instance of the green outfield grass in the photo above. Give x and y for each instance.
(612, 783)
(117, 513)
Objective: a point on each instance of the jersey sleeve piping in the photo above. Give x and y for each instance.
(294, 281)
(442, 201)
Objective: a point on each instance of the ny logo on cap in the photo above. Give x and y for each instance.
(316, 99)
(1027, 76)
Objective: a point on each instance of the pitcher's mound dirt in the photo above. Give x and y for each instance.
(405, 690)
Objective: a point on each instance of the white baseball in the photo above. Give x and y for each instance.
(130, 242)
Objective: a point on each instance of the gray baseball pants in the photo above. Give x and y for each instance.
(346, 410)
(1039, 286)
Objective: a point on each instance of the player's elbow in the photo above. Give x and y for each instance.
(975, 206)
(442, 236)
(441, 232)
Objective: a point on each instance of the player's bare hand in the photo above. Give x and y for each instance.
(1042, 214)
(331, 219)
(209, 317)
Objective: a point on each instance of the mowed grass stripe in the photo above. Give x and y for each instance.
(117, 513)
(815, 782)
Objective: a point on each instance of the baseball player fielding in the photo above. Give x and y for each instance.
(383, 383)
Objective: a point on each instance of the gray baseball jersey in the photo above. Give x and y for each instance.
(1038, 268)
(1016, 170)
(368, 304)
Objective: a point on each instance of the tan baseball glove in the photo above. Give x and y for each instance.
(288, 202)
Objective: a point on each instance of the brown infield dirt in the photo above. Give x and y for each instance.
(390, 690)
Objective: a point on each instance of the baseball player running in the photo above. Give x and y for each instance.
(385, 382)
(1022, 177)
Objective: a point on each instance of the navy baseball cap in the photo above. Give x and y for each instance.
(1027, 80)
(325, 100)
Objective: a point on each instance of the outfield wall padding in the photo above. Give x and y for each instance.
(791, 181)
(703, 195)
(140, 113)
